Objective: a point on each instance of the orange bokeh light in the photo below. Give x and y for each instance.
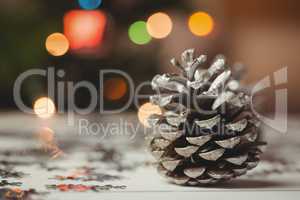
(159, 25)
(57, 44)
(47, 140)
(44, 107)
(115, 88)
(201, 24)
(46, 136)
(84, 28)
(146, 110)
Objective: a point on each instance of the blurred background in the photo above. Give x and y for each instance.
(140, 37)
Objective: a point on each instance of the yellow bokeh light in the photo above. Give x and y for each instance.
(159, 25)
(201, 24)
(57, 44)
(115, 88)
(146, 110)
(44, 107)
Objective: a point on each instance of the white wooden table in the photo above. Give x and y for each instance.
(276, 177)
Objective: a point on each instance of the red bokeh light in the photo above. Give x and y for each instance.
(84, 29)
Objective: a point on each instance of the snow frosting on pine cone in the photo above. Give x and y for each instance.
(207, 132)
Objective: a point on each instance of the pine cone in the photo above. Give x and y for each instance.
(207, 132)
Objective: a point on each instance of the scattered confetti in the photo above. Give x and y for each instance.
(87, 174)
(6, 183)
(99, 177)
(17, 194)
(84, 188)
(7, 173)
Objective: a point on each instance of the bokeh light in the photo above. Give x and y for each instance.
(47, 141)
(146, 110)
(138, 33)
(89, 4)
(115, 88)
(57, 44)
(44, 107)
(201, 24)
(84, 28)
(159, 25)
(46, 137)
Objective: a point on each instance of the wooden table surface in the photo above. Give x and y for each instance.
(117, 166)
